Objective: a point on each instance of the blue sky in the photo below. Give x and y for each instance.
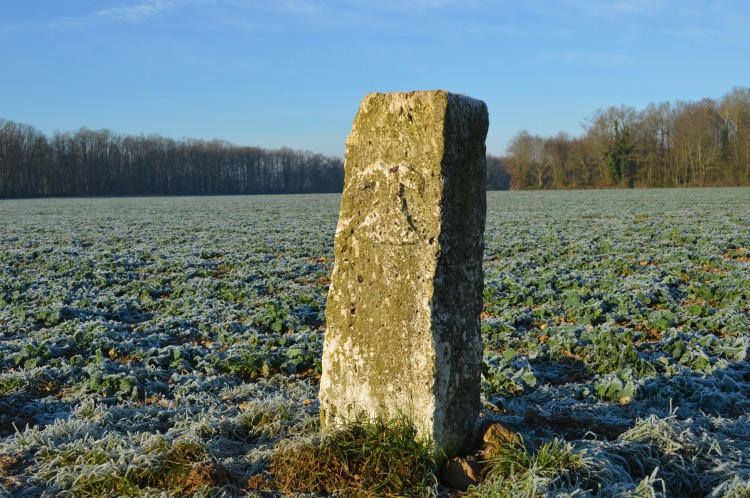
(292, 72)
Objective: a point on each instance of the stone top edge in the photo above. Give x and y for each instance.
(411, 93)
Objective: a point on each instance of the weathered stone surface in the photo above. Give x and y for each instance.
(403, 308)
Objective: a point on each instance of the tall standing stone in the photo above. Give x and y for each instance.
(403, 308)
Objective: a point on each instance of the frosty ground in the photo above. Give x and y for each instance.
(159, 333)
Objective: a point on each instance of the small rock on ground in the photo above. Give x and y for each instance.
(461, 472)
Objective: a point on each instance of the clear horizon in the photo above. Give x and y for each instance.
(292, 73)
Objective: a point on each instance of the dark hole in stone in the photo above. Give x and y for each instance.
(432, 240)
(360, 279)
(353, 310)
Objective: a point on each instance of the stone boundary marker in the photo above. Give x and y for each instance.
(403, 334)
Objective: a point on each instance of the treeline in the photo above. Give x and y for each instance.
(703, 143)
(100, 162)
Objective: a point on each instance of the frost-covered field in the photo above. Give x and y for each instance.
(141, 336)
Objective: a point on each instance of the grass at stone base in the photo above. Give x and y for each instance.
(364, 458)
(384, 458)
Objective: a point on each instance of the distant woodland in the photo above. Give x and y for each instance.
(703, 143)
(100, 162)
(682, 144)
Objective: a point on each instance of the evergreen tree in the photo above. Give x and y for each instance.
(619, 157)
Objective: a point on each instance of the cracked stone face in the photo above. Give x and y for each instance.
(403, 327)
